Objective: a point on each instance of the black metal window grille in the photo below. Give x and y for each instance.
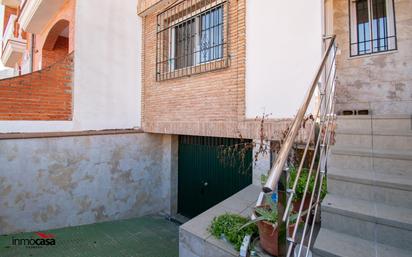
(192, 38)
(373, 27)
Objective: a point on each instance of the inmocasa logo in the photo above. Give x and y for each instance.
(38, 241)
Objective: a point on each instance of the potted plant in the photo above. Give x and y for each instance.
(230, 227)
(300, 189)
(266, 218)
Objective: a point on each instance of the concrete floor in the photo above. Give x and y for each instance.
(142, 237)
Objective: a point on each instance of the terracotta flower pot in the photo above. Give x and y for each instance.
(268, 237)
(297, 203)
(268, 234)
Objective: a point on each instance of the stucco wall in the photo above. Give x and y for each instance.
(283, 51)
(382, 82)
(107, 61)
(60, 182)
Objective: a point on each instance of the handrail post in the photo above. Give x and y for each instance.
(282, 194)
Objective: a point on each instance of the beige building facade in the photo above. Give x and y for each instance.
(380, 82)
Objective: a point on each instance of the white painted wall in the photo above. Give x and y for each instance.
(284, 47)
(107, 65)
(107, 84)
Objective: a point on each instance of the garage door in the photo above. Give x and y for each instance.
(210, 170)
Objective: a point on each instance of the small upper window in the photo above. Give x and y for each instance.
(372, 27)
(191, 38)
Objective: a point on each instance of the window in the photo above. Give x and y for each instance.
(191, 38)
(372, 27)
(184, 44)
(211, 39)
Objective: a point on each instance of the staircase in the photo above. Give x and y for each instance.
(368, 209)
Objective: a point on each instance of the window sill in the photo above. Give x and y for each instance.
(193, 70)
(372, 54)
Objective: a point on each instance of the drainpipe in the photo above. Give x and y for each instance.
(33, 37)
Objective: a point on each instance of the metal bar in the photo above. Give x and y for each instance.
(322, 154)
(318, 198)
(184, 17)
(318, 195)
(276, 171)
(292, 192)
(308, 142)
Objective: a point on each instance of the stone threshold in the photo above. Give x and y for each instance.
(194, 237)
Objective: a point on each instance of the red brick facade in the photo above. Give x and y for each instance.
(58, 52)
(42, 95)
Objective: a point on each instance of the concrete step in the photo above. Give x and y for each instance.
(330, 243)
(379, 140)
(390, 122)
(391, 162)
(368, 220)
(384, 188)
(368, 210)
(353, 139)
(361, 123)
(369, 123)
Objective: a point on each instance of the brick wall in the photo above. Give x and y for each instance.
(42, 95)
(57, 53)
(211, 103)
(205, 104)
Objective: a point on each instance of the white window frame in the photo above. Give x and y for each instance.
(390, 14)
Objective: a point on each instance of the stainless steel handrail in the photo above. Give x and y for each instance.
(324, 115)
(283, 155)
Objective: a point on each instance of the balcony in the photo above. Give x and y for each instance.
(35, 14)
(13, 46)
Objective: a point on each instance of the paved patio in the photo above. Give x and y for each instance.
(150, 236)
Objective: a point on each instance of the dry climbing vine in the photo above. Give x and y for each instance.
(234, 154)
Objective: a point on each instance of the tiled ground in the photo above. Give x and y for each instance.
(141, 237)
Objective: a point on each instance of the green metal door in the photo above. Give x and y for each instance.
(210, 170)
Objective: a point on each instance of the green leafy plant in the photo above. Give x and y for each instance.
(267, 212)
(300, 188)
(232, 227)
(293, 217)
(263, 179)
